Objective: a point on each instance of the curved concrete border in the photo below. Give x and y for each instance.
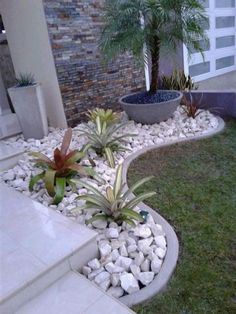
(170, 261)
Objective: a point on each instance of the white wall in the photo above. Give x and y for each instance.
(30, 48)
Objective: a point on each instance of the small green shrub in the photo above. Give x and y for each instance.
(25, 79)
(103, 139)
(115, 205)
(59, 171)
(108, 116)
(177, 81)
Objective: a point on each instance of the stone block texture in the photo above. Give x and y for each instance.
(85, 82)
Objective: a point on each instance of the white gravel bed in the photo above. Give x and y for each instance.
(130, 257)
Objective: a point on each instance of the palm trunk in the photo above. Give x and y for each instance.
(155, 55)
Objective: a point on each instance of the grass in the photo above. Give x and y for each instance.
(196, 186)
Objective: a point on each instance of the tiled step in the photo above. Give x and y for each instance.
(37, 247)
(9, 155)
(73, 294)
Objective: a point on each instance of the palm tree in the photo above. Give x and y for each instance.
(166, 23)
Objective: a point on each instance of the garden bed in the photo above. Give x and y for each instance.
(130, 257)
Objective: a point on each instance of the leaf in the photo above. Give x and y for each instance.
(131, 214)
(110, 195)
(109, 156)
(128, 221)
(78, 168)
(87, 186)
(40, 156)
(66, 141)
(97, 217)
(99, 125)
(59, 159)
(60, 190)
(137, 185)
(74, 157)
(135, 201)
(97, 201)
(35, 179)
(118, 181)
(49, 180)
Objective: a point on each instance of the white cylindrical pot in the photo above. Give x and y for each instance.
(29, 105)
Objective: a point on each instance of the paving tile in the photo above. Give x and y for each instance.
(71, 294)
(16, 269)
(108, 305)
(7, 245)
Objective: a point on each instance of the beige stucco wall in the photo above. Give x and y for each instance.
(31, 52)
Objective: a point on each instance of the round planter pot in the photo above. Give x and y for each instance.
(153, 111)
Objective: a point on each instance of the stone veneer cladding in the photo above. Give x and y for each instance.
(85, 81)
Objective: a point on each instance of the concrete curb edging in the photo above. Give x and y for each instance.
(160, 281)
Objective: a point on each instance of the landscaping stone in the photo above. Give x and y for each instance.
(129, 283)
(156, 265)
(94, 264)
(124, 262)
(116, 292)
(146, 277)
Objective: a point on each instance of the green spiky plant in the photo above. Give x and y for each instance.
(166, 24)
(103, 139)
(105, 115)
(115, 205)
(177, 81)
(25, 79)
(59, 171)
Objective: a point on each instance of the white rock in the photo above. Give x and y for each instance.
(135, 270)
(112, 233)
(104, 275)
(112, 268)
(123, 250)
(116, 244)
(145, 266)
(139, 259)
(94, 264)
(160, 252)
(124, 262)
(156, 229)
(104, 249)
(86, 270)
(129, 283)
(115, 254)
(9, 175)
(94, 273)
(105, 284)
(130, 241)
(132, 248)
(116, 292)
(146, 277)
(160, 241)
(156, 265)
(144, 245)
(115, 279)
(99, 224)
(142, 231)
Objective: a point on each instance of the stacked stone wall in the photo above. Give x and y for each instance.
(74, 28)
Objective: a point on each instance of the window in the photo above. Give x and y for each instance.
(225, 41)
(224, 62)
(199, 68)
(225, 3)
(225, 21)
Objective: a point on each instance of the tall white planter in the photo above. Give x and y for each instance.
(29, 106)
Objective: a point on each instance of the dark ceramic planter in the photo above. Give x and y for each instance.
(150, 113)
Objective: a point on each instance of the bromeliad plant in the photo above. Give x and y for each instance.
(59, 171)
(106, 116)
(115, 205)
(103, 139)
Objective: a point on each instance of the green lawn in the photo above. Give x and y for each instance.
(196, 193)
